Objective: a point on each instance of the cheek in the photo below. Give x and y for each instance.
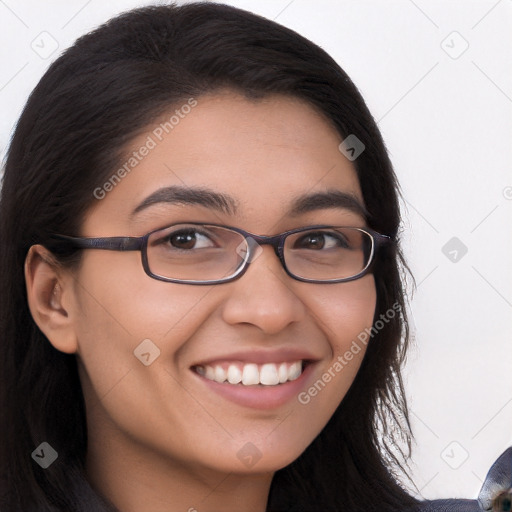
(345, 313)
(119, 306)
(341, 312)
(344, 310)
(116, 293)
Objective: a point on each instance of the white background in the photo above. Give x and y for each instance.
(446, 119)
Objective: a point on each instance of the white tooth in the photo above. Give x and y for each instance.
(234, 374)
(250, 375)
(295, 370)
(200, 370)
(209, 373)
(268, 375)
(220, 374)
(283, 373)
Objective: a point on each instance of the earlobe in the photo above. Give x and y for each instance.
(49, 294)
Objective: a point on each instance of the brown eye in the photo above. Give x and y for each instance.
(183, 240)
(312, 241)
(188, 239)
(320, 240)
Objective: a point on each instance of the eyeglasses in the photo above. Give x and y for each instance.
(194, 253)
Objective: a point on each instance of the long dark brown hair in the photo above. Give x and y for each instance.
(105, 89)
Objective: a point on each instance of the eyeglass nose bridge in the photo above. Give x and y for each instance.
(251, 247)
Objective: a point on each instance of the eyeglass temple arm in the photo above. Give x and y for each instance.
(382, 239)
(115, 243)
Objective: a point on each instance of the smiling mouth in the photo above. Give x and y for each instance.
(250, 374)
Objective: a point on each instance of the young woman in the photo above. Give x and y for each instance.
(202, 303)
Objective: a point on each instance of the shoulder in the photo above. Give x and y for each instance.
(497, 482)
(449, 506)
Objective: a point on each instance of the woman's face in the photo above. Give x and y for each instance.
(150, 399)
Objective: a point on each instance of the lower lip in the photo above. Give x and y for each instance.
(260, 397)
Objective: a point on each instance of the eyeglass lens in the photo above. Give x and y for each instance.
(192, 252)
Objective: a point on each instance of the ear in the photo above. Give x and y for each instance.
(50, 296)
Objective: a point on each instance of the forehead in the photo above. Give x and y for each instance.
(262, 153)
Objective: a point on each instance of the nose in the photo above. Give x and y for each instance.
(265, 296)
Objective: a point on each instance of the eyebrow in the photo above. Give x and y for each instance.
(190, 195)
(226, 204)
(328, 199)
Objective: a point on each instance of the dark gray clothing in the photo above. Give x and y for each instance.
(497, 481)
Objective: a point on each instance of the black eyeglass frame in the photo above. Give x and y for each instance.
(129, 243)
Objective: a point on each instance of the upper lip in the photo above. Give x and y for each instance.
(261, 356)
